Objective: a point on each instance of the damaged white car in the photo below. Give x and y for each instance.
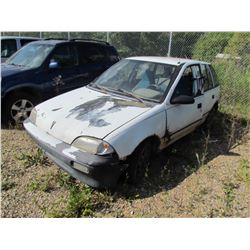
(137, 107)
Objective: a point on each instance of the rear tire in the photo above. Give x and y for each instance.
(17, 108)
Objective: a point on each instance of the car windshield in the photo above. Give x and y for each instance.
(31, 55)
(139, 79)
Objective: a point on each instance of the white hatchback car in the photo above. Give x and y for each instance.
(137, 107)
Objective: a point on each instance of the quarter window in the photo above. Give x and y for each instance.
(91, 55)
(25, 41)
(214, 75)
(8, 47)
(208, 81)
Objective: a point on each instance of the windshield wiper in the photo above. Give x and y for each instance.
(130, 94)
(98, 87)
(14, 64)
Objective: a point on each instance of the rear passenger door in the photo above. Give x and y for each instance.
(209, 91)
(92, 61)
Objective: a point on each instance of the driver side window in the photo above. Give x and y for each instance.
(65, 56)
(186, 84)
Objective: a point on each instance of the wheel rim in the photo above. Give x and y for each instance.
(20, 110)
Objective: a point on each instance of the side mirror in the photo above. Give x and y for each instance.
(182, 99)
(53, 65)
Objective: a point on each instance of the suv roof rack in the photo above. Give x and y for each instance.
(52, 38)
(78, 39)
(89, 39)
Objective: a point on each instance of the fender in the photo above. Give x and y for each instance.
(36, 88)
(128, 137)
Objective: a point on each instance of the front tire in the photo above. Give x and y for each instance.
(17, 108)
(139, 162)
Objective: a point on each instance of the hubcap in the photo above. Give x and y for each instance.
(20, 110)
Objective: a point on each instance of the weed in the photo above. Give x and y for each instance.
(201, 159)
(6, 185)
(29, 160)
(189, 169)
(64, 179)
(82, 201)
(244, 171)
(43, 184)
(229, 189)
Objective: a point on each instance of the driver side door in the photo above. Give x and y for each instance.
(184, 118)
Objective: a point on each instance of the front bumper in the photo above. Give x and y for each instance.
(96, 171)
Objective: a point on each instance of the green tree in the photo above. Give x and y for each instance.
(239, 44)
(210, 44)
(183, 43)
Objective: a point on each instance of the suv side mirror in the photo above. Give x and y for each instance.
(53, 65)
(182, 99)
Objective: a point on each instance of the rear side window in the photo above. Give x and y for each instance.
(65, 56)
(214, 75)
(112, 55)
(91, 54)
(25, 41)
(8, 47)
(208, 80)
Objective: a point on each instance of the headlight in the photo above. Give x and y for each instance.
(33, 115)
(93, 146)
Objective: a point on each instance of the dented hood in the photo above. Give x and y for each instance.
(86, 112)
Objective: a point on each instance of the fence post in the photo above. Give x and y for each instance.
(68, 35)
(170, 43)
(107, 39)
(40, 34)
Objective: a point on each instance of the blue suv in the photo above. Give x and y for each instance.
(46, 68)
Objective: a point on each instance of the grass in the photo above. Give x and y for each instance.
(244, 171)
(38, 157)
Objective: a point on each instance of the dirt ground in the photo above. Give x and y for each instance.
(205, 174)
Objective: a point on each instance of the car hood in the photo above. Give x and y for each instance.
(8, 70)
(86, 112)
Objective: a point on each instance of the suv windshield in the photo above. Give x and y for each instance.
(31, 55)
(145, 80)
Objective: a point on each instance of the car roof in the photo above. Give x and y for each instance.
(166, 60)
(19, 37)
(58, 41)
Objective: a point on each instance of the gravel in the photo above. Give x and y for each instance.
(176, 187)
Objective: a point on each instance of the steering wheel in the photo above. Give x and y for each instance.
(152, 86)
(159, 84)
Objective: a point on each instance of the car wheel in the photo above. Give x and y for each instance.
(212, 113)
(18, 107)
(139, 163)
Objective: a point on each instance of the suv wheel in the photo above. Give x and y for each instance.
(18, 107)
(139, 162)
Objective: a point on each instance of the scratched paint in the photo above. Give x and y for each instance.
(95, 111)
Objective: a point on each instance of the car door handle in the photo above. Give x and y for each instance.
(199, 105)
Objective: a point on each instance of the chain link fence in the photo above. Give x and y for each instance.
(229, 53)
